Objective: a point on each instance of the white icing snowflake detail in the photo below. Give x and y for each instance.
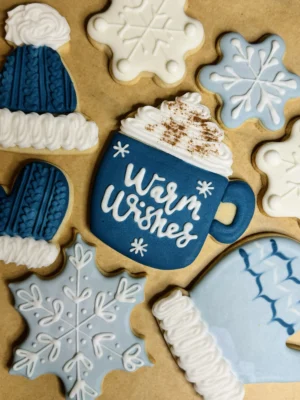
(138, 246)
(281, 162)
(76, 328)
(121, 149)
(147, 35)
(205, 188)
(252, 81)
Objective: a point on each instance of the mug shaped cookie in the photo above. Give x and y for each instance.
(157, 205)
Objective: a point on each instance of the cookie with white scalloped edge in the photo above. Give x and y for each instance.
(146, 38)
(236, 323)
(37, 96)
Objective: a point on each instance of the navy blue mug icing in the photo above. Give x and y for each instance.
(157, 209)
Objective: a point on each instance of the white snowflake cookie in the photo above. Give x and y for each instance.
(280, 161)
(251, 81)
(79, 326)
(147, 36)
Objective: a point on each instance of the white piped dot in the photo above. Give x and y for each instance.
(43, 361)
(110, 293)
(83, 311)
(61, 328)
(142, 204)
(272, 157)
(190, 30)
(172, 66)
(100, 24)
(117, 308)
(123, 66)
(83, 341)
(69, 315)
(48, 299)
(71, 279)
(69, 340)
(85, 374)
(86, 278)
(70, 378)
(274, 202)
(117, 345)
(110, 358)
(36, 314)
(89, 326)
(33, 344)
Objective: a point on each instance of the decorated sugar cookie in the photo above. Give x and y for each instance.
(78, 324)
(31, 214)
(280, 161)
(233, 326)
(37, 96)
(251, 81)
(161, 182)
(147, 36)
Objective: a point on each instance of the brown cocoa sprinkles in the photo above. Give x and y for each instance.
(175, 131)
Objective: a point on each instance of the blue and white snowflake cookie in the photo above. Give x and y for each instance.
(79, 324)
(233, 326)
(160, 183)
(251, 81)
(151, 36)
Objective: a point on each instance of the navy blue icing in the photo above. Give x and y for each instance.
(37, 203)
(163, 252)
(258, 279)
(34, 79)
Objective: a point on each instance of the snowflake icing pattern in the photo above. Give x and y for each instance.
(252, 81)
(122, 150)
(205, 188)
(147, 35)
(138, 246)
(76, 330)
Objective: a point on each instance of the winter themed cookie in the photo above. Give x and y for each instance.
(78, 323)
(161, 182)
(251, 81)
(150, 36)
(37, 96)
(31, 214)
(280, 161)
(233, 327)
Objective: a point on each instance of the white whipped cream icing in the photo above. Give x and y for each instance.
(196, 350)
(27, 251)
(69, 132)
(38, 25)
(182, 128)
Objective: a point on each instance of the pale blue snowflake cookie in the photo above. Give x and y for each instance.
(79, 326)
(251, 81)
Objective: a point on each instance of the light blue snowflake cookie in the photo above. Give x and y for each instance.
(251, 81)
(79, 325)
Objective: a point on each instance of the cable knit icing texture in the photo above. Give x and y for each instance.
(37, 203)
(34, 79)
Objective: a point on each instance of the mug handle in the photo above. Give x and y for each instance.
(241, 195)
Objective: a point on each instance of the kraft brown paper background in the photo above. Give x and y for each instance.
(106, 102)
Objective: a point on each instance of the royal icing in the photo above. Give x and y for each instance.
(34, 209)
(251, 81)
(280, 161)
(182, 128)
(147, 36)
(28, 251)
(38, 25)
(67, 132)
(249, 302)
(79, 326)
(161, 182)
(196, 350)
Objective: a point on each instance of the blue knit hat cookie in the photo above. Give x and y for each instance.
(34, 81)
(31, 214)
